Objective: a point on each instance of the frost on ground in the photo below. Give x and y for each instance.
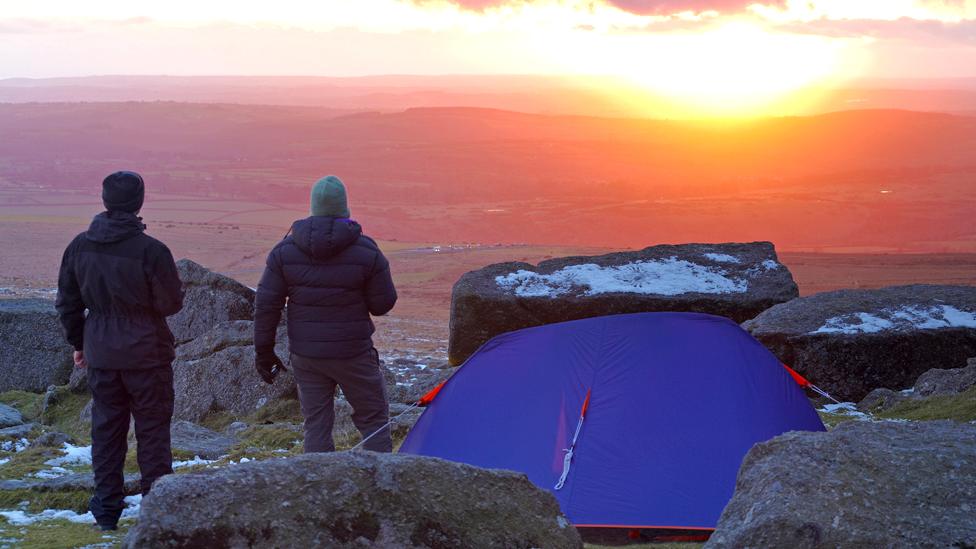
(844, 409)
(911, 317)
(197, 460)
(22, 518)
(73, 455)
(14, 445)
(670, 276)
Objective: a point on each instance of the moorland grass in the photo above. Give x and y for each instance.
(37, 500)
(959, 407)
(60, 534)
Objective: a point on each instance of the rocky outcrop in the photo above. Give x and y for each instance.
(935, 382)
(939, 381)
(864, 484)
(849, 342)
(215, 372)
(351, 499)
(18, 431)
(84, 482)
(199, 441)
(209, 299)
(882, 399)
(33, 352)
(78, 382)
(10, 416)
(734, 280)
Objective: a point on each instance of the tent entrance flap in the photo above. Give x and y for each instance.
(568, 458)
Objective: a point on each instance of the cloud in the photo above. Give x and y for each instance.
(644, 7)
(905, 28)
(663, 7)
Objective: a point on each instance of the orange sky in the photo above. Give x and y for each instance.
(722, 55)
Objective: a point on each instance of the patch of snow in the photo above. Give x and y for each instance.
(908, 392)
(913, 317)
(197, 460)
(15, 445)
(132, 506)
(765, 266)
(867, 324)
(670, 276)
(53, 472)
(4, 461)
(22, 518)
(844, 409)
(723, 258)
(73, 455)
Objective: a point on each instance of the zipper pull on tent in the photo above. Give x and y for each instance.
(802, 382)
(568, 458)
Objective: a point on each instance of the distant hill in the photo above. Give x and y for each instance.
(591, 96)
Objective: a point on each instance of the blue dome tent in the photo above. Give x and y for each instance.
(631, 421)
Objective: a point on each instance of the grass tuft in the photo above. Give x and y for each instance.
(285, 410)
(60, 534)
(24, 464)
(37, 500)
(29, 404)
(959, 407)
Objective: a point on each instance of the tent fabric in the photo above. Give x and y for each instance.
(676, 401)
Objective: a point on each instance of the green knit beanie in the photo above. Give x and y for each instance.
(329, 198)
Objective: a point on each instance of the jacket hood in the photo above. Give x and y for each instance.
(114, 226)
(321, 237)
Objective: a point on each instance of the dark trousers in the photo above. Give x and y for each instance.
(364, 387)
(146, 395)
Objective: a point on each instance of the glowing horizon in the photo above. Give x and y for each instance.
(718, 57)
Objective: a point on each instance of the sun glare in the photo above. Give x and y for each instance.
(737, 69)
(736, 66)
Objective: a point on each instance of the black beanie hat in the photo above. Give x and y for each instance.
(123, 191)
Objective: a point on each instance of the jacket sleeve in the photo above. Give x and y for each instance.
(165, 284)
(381, 295)
(272, 292)
(70, 305)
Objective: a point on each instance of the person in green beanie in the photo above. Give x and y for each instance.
(333, 278)
(329, 198)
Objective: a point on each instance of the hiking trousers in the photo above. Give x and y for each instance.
(364, 387)
(146, 395)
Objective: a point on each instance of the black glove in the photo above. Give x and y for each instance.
(268, 366)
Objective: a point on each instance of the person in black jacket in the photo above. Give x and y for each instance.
(333, 278)
(116, 287)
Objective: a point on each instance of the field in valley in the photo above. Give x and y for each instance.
(234, 236)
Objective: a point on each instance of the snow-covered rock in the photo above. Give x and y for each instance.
(863, 484)
(849, 342)
(351, 499)
(734, 280)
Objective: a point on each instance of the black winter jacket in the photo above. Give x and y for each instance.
(127, 282)
(333, 277)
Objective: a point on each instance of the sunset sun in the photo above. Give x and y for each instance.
(736, 67)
